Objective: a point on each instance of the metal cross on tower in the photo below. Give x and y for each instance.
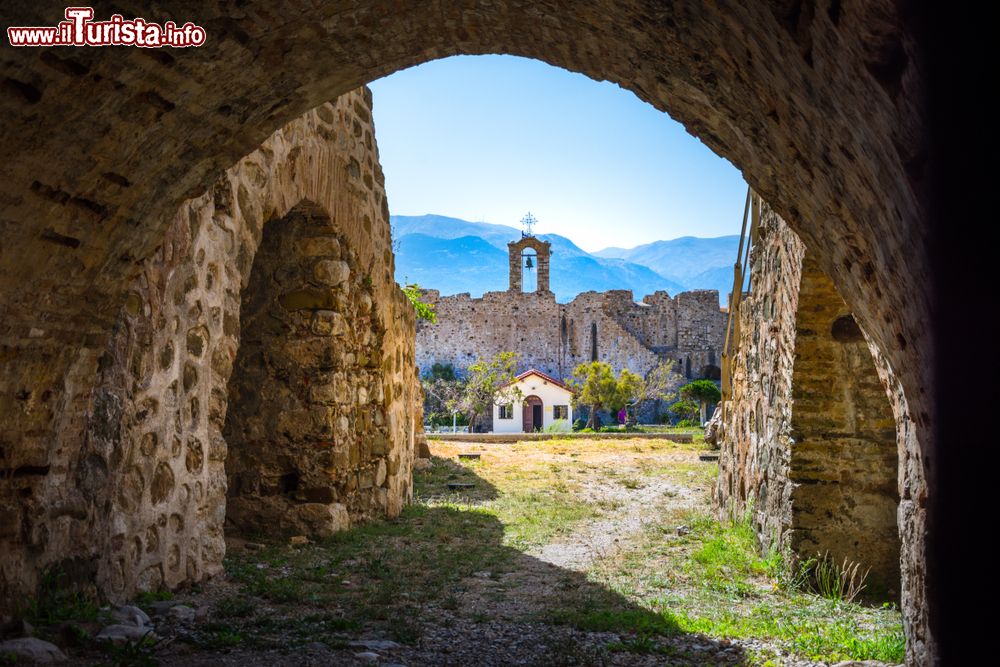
(528, 221)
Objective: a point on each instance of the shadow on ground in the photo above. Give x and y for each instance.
(442, 472)
(438, 581)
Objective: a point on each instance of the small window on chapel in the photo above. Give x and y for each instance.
(506, 411)
(560, 412)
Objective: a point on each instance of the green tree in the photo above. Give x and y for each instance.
(596, 387)
(659, 383)
(703, 391)
(442, 388)
(685, 410)
(488, 382)
(415, 294)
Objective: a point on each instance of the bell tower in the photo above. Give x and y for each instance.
(529, 254)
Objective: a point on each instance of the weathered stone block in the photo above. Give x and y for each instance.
(328, 323)
(331, 272)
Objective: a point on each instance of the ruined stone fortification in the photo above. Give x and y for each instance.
(822, 106)
(554, 337)
(263, 351)
(808, 438)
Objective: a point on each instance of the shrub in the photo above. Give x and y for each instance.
(685, 410)
(558, 426)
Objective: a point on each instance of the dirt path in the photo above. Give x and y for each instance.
(524, 568)
(634, 509)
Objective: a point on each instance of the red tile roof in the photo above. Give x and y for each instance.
(547, 378)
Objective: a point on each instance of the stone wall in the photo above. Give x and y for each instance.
(822, 106)
(554, 337)
(756, 434)
(808, 436)
(120, 476)
(309, 440)
(843, 456)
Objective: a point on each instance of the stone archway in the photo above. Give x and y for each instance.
(139, 481)
(540, 252)
(810, 441)
(819, 105)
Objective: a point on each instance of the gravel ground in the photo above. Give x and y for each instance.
(490, 622)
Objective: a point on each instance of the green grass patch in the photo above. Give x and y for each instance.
(713, 581)
(58, 599)
(391, 578)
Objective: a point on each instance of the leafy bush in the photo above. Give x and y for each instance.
(578, 424)
(558, 426)
(445, 419)
(424, 310)
(684, 410)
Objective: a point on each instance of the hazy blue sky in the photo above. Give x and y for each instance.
(491, 137)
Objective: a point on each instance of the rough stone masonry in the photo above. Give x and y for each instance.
(809, 438)
(554, 337)
(264, 351)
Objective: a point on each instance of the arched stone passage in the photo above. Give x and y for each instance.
(818, 104)
(810, 439)
(134, 495)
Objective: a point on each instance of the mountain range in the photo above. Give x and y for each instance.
(454, 256)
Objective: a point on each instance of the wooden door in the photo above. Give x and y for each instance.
(531, 415)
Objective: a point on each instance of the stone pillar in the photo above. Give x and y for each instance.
(843, 461)
(298, 445)
(543, 269)
(809, 439)
(514, 261)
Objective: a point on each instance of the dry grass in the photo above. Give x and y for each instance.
(581, 533)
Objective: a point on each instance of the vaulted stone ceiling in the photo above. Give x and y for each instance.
(818, 103)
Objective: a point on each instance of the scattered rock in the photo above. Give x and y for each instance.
(182, 613)
(299, 541)
(421, 464)
(375, 644)
(33, 650)
(121, 634)
(254, 546)
(201, 613)
(130, 615)
(367, 656)
(161, 607)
